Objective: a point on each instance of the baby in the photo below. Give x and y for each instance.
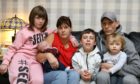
(44, 48)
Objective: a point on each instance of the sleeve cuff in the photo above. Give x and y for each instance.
(5, 62)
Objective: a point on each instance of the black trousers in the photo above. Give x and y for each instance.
(4, 78)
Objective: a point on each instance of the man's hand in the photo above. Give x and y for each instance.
(106, 65)
(3, 68)
(105, 70)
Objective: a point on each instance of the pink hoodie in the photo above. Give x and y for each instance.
(26, 42)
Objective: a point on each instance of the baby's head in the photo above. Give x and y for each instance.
(42, 46)
(115, 43)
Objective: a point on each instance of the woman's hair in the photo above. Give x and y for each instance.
(40, 12)
(115, 38)
(87, 31)
(64, 20)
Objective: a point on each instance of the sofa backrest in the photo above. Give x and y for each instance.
(77, 35)
(135, 38)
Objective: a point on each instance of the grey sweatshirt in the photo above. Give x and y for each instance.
(132, 65)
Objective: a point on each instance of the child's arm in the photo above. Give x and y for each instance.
(18, 43)
(74, 41)
(3, 68)
(75, 63)
(120, 63)
(106, 65)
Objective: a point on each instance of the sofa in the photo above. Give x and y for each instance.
(133, 36)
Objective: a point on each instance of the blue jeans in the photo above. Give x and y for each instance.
(62, 77)
(116, 79)
(73, 77)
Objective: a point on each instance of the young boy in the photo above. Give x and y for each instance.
(87, 60)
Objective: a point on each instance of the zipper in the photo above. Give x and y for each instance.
(87, 61)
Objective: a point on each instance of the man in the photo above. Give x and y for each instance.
(131, 70)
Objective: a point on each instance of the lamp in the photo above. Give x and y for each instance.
(13, 23)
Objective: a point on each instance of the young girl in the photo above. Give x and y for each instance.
(115, 58)
(87, 60)
(20, 58)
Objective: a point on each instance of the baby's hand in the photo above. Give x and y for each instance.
(3, 68)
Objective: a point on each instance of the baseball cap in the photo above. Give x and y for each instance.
(109, 15)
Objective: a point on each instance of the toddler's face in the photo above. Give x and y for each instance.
(114, 47)
(88, 41)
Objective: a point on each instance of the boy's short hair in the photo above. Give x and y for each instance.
(86, 31)
(115, 37)
(64, 20)
(41, 12)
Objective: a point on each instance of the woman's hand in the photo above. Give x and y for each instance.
(41, 57)
(3, 68)
(52, 61)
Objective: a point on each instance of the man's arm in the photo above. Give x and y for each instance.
(133, 61)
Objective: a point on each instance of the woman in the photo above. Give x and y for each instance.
(60, 40)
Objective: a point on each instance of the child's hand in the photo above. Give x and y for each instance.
(74, 41)
(86, 75)
(3, 68)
